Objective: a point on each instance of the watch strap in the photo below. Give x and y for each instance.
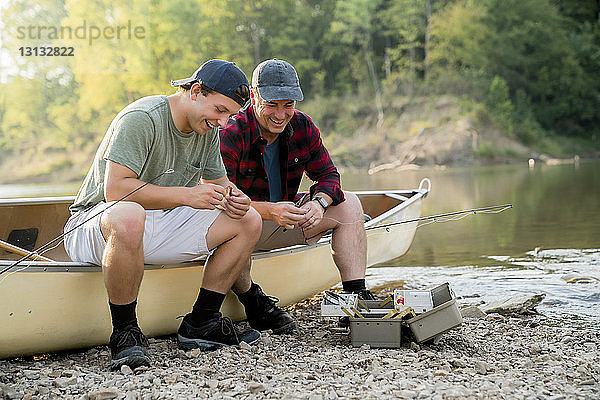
(322, 202)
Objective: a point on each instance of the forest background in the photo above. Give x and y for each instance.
(390, 83)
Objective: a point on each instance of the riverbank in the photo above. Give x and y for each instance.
(490, 357)
(435, 131)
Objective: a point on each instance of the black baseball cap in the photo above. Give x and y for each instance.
(277, 80)
(221, 76)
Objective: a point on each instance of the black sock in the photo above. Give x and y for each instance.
(207, 306)
(123, 315)
(243, 297)
(353, 286)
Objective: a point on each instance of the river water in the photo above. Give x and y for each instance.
(549, 242)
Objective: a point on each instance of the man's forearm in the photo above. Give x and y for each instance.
(151, 197)
(264, 208)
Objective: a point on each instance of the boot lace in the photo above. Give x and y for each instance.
(266, 301)
(131, 336)
(228, 329)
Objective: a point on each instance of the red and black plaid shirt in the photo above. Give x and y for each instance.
(300, 150)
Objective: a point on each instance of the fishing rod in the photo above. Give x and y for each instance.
(450, 214)
(46, 247)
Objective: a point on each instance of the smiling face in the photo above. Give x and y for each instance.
(272, 116)
(207, 112)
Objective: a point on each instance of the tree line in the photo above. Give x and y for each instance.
(534, 63)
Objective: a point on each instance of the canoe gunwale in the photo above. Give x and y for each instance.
(417, 195)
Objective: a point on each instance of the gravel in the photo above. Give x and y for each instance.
(489, 356)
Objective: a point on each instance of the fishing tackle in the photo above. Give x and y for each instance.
(490, 209)
(45, 247)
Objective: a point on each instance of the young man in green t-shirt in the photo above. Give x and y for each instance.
(175, 217)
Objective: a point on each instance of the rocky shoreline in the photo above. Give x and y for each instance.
(489, 356)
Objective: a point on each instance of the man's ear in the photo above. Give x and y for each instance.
(195, 91)
(254, 96)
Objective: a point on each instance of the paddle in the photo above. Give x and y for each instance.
(22, 252)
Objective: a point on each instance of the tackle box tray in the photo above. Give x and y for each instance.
(376, 332)
(434, 322)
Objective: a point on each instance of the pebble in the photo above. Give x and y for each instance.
(245, 346)
(64, 382)
(472, 312)
(256, 387)
(126, 370)
(480, 367)
(212, 383)
(29, 374)
(106, 394)
(490, 357)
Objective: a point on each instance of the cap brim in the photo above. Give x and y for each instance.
(272, 93)
(184, 81)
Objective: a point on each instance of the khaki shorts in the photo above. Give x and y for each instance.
(170, 236)
(274, 236)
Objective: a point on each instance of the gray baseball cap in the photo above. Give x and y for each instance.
(277, 80)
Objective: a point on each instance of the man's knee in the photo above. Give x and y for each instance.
(351, 207)
(253, 223)
(124, 221)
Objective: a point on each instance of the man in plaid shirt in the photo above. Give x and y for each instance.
(266, 148)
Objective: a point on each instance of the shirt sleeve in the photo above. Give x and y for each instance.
(131, 141)
(230, 152)
(320, 168)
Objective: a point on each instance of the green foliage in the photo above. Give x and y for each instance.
(526, 43)
(530, 67)
(498, 101)
(490, 152)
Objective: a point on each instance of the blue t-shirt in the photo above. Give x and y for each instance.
(272, 168)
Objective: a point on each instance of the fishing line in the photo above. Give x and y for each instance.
(434, 218)
(14, 272)
(442, 217)
(47, 247)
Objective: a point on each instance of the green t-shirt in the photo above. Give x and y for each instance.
(144, 138)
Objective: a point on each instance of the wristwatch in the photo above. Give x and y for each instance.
(322, 202)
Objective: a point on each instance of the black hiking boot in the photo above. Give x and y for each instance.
(264, 314)
(364, 294)
(213, 334)
(128, 347)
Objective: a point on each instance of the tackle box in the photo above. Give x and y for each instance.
(432, 323)
(387, 332)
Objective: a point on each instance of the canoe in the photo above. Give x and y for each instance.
(57, 305)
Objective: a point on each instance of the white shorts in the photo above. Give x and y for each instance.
(170, 236)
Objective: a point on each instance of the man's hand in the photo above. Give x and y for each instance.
(286, 214)
(236, 204)
(313, 215)
(206, 196)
